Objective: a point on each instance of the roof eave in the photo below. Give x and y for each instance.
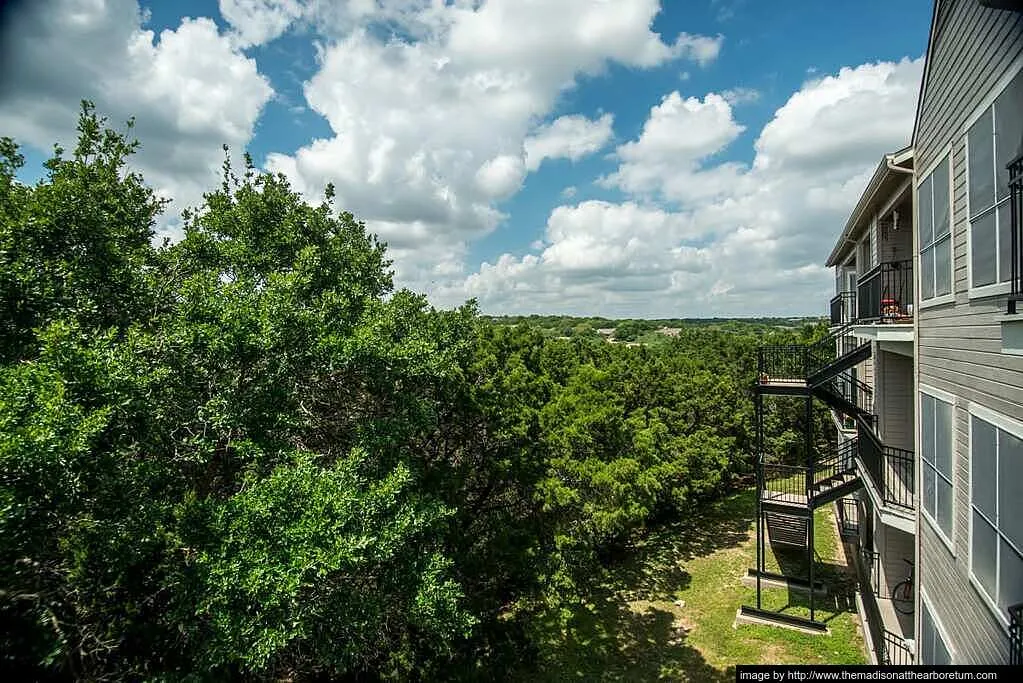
(841, 246)
(881, 174)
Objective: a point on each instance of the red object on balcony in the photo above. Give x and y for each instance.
(889, 308)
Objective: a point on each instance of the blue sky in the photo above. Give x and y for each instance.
(696, 158)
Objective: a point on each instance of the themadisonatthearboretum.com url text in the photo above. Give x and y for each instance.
(765, 674)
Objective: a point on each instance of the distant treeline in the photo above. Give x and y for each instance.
(641, 329)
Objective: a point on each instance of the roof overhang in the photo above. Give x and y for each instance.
(885, 181)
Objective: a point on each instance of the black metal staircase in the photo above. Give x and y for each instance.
(789, 494)
(847, 395)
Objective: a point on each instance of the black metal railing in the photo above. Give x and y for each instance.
(786, 362)
(848, 518)
(843, 308)
(852, 390)
(797, 362)
(784, 481)
(894, 651)
(899, 477)
(1016, 634)
(836, 345)
(890, 468)
(1015, 168)
(885, 293)
(839, 461)
(871, 571)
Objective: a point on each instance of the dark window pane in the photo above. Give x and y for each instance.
(927, 274)
(982, 557)
(982, 465)
(941, 653)
(1010, 576)
(926, 223)
(982, 249)
(927, 427)
(1008, 130)
(927, 632)
(943, 266)
(1010, 487)
(929, 477)
(943, 435)
(941, 200)
(981, 163)
(944, 505)
(1004, 243)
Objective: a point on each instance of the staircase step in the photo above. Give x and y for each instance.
(838, 489)
(837, 480)
(857, 355)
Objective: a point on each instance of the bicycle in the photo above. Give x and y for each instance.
(902, 594)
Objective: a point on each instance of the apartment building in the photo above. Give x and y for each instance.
(968, 141)
(864, 372)
(923, 370)
(874, 307)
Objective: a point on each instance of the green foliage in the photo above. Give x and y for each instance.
(328, 559)
(245, 456)
(77, 245)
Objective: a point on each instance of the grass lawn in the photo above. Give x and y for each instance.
(668, 610)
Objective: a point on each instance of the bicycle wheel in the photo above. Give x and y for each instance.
(902, 597)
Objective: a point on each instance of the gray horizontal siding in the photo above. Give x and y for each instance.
(959, 344)
(972, 633)
(973, 48)
(895, 399)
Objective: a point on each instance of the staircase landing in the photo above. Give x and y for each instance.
(770, 385)
(794, 499)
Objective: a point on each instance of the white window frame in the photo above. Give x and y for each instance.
(998, 288)
(1006, 424)
(945, 157)
(939, 628)
(950, 399)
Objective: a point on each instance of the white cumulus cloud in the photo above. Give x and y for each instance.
(190, 90)
(751, 238)
(568, 137)
(432, 129)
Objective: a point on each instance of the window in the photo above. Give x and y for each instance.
(996, 502)
(932, 647)
(994, 139)
(936, 454)
(935, 234)
(865, 258)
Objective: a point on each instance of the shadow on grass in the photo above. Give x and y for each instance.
(839, 580)
(826, 607)
(792, 562)
(655, 560)
(629, 628)
(610, 640)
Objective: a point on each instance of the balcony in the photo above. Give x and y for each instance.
(891, 470)
(1015, 168)
(886, 628)
(843, 308)
(885, 294)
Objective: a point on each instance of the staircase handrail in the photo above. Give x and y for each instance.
(838, 461)
(862, 393)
